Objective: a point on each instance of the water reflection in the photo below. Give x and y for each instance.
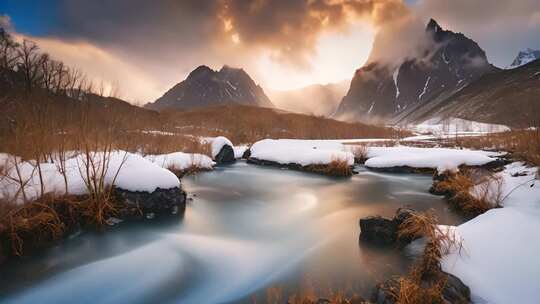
(247, 228)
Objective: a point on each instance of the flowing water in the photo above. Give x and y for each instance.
(249, 234)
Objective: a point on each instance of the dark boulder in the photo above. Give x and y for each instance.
(454, 291)
(378, 230)
(384, 231)
(225, 155)
(140, 204)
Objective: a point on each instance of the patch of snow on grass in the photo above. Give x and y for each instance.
(449, 126)
(134, 174)
(302, 152)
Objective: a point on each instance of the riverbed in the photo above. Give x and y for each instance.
(249, 233)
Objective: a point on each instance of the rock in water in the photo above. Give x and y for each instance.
(383, 231)
(378, 230)
(225, 155)
(140, 204)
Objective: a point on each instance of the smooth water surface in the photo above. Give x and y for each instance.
(249, 233)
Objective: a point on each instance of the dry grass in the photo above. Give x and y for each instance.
(337, 167)
(360, 153)
(245, 124)
(457, 188)
(425, 281)
(522, 144)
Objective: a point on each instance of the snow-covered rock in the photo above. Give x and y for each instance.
(441, 159)
(500, 248)
(223, 150)
(181, 161)
(124, 170)
(218, 143)
(301, 152)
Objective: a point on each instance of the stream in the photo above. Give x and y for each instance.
(249, 233)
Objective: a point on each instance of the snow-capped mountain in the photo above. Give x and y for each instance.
(206, 87)
(525, 57)
(383, 91)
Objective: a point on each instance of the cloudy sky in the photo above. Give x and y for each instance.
(145, 47)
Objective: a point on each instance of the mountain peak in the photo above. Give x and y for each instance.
(207, 87)
(200, 71)
(525, 57)
(433, 26)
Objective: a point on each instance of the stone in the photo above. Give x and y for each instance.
(384, 231)
(225, 155)
(141, 204)
(378, 230)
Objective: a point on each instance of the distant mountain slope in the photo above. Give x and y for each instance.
(510, 97)
(525, 57)
(317, 99)
(206, 87)
(380, 91)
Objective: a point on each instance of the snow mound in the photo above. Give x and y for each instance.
(218, 143)
(440, 159)
(302, 152)
(121, 169)
(181, 161)
(499, 259)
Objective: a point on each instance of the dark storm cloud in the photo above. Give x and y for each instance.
(177, 28)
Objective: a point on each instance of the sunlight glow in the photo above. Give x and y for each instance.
(337, 56)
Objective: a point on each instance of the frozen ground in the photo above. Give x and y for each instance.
(501, 248)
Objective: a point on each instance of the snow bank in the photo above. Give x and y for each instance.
(302, 152)
(134, 174)
(452, 125)
(181, 161)
(218, 143)
(441, 159)
(499, 260)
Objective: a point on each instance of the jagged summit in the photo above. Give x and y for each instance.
(433, 26)
(449, 63)
(207, 87)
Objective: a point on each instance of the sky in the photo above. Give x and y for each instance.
(145, 47)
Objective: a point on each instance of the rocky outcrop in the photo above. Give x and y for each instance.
(161, 202)
(225, 155)
(384, 231)
(454, 291)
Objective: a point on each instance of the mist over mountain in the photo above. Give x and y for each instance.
(205, 87)
(446, 63)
